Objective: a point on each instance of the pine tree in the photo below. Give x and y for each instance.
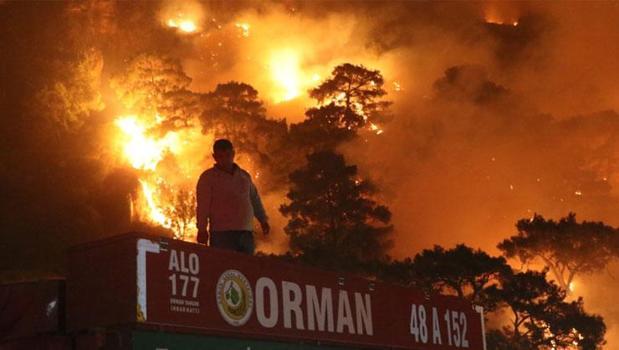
(333, 221)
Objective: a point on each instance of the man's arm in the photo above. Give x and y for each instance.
(203, 207)
(259, 211)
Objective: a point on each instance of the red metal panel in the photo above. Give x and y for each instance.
(43, 342)
(178, 284)
(101, 287)
(30, 308)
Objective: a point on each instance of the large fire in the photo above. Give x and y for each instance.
(142, 151)
(168, 164)
(154, 210)
(165, 197)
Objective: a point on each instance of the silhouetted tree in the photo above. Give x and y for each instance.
(469, 83)
(542, 319)
(333, 221)
(229, 108)
(463, 271)
(234, 111)
(575, 326)
(398, 271)
(179, 109)
(497, 340)
(357, 91)
(566, 247)
(320, 130)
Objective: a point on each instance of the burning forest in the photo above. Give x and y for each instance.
(463, 148)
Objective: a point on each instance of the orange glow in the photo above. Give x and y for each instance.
(289, 79)
(495, 15)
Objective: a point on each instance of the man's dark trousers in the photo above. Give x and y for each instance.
(240, 241)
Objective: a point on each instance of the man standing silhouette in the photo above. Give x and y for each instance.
(227, 201)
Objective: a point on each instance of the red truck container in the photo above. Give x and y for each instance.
(38, 342)
(31, 308)
(136, 281)
(32, 315)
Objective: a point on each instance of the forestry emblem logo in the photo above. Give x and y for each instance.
(235, 299)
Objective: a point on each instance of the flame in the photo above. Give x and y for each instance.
(286, 74)
(289, 79)
(397, 87)
(185, 25)
(500, 16)
(145, 152)
(494, 20)
(244, 27)
(155, 213)
(141, 151)
(185, 16)
(376, 128)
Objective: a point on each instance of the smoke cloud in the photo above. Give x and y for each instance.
(500, 110)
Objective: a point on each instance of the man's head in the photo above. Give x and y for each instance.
(223, 152)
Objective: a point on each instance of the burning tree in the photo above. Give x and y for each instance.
(566, 247)
(351, 99)
(181, 212)
(159, 129)
(333, 221)
(148, 81)
(354, 93)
